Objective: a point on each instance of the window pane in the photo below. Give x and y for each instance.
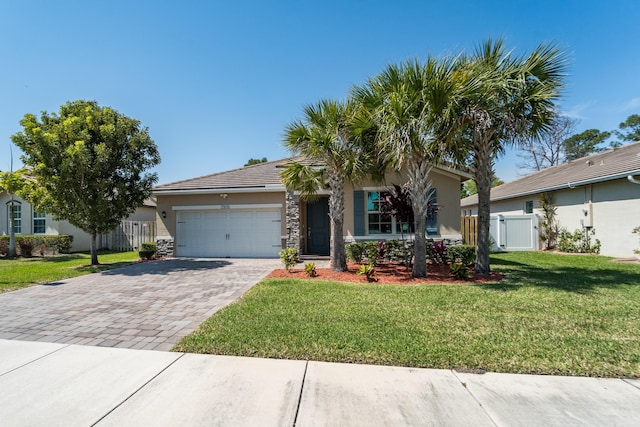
(39, 223)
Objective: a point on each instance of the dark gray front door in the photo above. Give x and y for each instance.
(318, 226)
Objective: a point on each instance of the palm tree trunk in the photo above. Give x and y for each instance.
(94, 249)
(483, 172)
(418, 187)
(336, 214)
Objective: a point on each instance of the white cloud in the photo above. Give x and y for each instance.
(575, 112)
(632, 104)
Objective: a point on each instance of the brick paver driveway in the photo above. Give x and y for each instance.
(145, 306)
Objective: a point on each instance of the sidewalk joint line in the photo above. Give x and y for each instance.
(36, 359)
(466, 387)
(138, 389)
(304, 377)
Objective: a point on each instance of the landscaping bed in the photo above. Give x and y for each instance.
(387, 273)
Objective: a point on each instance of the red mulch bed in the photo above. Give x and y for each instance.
(387, 273)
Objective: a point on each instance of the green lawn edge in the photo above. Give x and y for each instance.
(553, 314)
(23, 272)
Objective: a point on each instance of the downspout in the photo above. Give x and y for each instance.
(632, 179)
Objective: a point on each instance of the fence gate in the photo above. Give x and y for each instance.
(514, 232)
(129, 235)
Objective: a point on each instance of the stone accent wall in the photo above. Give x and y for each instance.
(164, 247)
(292, 214)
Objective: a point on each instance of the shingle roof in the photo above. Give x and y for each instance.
(257, 176)
(605, 166)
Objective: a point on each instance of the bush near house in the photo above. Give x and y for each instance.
(27, 243)
(147, 250)
(577, 242)
(438, 252)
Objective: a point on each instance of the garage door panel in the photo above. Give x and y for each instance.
(228, 233)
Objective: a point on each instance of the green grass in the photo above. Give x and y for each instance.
(22, 272)
(554, 314)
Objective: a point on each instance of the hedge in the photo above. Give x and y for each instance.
(27, 243)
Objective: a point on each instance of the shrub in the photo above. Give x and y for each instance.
(26, 243)
(372, 251)
(147, 250)
(289, 257)
(460, 271)
(437, 252)
(464, 254)
(310, 269)
(355, 251)
(4, 246)
(369, 271)
(577, 242)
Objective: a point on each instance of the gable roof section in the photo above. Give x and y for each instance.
(258, 177)
(608, 165)
(261, 177)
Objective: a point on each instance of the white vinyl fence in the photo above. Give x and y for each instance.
(129, 235)
(514, 232)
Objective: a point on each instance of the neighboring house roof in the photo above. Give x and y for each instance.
(608, 165)
(258, 177)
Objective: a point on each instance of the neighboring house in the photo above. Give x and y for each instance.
(29, 221)
(598, 192)
(248, 212)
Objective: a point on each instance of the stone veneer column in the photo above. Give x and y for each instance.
(292, 213)
(164, 247)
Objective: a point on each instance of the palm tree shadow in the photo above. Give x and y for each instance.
(569, 279)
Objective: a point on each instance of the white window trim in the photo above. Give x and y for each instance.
(33, 221)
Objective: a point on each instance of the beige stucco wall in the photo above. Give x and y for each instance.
(166, 203)
(614, 208)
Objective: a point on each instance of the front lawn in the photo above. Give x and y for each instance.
(22, 272)
(553, 314)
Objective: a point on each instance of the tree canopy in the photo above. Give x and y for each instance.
(253, 161)
(584, 143)
(630, 129)
(91, 165)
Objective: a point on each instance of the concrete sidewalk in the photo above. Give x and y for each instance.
(49, 384)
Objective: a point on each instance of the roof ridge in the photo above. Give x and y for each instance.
(223, 172)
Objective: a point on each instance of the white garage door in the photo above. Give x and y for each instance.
(228, 233)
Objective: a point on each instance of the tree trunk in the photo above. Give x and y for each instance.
(12, 233)
(483, 172)
(94, 249)
(420, 247)
(418, 187)
(336, 214)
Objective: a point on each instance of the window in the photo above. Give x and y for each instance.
(377, 223)
(17, 217)
(528, 207)
(432, 212)
(39, 222)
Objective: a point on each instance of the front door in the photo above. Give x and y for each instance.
(318, 226)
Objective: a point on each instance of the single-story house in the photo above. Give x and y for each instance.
(29, 221)
(600, 192)
(248, 212)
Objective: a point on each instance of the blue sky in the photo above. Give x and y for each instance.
(217, 82)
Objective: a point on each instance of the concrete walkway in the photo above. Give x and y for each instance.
(46, 384)
(144, 306)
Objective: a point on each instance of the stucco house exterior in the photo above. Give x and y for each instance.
(29, 221)
(248, 212)
(600, 192)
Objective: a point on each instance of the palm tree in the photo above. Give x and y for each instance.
(411, 106)
(508, 99)
(330, 137)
